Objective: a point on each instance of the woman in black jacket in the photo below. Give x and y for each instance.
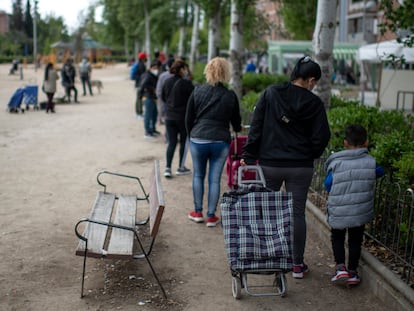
(210, 111)
(175, 94)
(289, 129)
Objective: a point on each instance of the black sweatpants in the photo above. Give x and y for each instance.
(355, 237)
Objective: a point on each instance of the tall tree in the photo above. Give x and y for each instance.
(399, 18)
(181, 43)
(299, 17)
(212, 9)
(323, 42)
(147, 30)
(238, 9)
(194, 36)
(28, 20)
(17, 23)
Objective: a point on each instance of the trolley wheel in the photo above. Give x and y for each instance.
(281, 283)
(236, 287)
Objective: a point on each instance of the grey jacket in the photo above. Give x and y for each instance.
(50, 84)
(351, 200)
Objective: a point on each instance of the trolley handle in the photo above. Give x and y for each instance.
(259, 179)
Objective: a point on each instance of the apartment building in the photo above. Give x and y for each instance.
(4, 22)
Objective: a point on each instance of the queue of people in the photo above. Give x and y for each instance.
(288, 131)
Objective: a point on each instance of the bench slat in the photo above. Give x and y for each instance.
(121, 242)
(102, 211)
(156, 198)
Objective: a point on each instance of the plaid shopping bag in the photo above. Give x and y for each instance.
(258, 228)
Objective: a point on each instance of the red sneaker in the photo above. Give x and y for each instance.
(196, 216)
(212, 221)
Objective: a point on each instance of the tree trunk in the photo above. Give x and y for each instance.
(126, 44)
(194, 37)
(181, 50)
(323, 42)
(147, 31)
(214, 35)
(236, 49)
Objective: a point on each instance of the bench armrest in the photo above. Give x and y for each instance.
(124, 176)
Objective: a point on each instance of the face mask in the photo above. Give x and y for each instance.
(154, 72)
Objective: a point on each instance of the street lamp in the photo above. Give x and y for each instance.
(35, 35)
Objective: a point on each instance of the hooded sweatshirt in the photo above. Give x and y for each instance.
(289, 128)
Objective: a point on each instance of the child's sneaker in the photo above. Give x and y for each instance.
(353, 279)
(299, 271)
(196, 216)
(341, 274)
(212, 221)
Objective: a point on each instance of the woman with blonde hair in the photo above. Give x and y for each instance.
(211, 109)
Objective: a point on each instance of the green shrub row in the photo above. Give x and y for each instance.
(390, 133)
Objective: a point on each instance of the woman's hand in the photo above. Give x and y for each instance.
(242, 162)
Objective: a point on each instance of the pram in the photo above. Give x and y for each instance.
(233, 162)
(16, 101)
(258, 234)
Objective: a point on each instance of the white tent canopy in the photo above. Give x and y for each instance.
(379, 52)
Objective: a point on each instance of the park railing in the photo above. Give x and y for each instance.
(390, 235)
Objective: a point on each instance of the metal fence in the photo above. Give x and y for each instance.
(390, 235)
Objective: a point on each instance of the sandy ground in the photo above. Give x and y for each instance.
(48, 166)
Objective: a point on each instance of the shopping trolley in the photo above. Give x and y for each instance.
(258, 234)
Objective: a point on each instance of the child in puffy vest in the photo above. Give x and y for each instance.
(350, 182)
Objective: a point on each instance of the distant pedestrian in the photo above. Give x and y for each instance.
(175, 93)
(250, 66)
(49, 86)
(85, 70)
(68, 79)
(160, 84)
(138, 69)
(149, 99)
(350, 182)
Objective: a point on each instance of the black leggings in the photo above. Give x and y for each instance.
(297, 181)
(175, 128)
(355, 237)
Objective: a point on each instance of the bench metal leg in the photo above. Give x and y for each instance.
(146, 255)
(83, 272)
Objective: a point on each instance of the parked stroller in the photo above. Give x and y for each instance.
(16, 101)
(258, 235)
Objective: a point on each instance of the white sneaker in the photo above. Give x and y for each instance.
(167, 173)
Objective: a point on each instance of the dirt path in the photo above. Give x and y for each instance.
(48, 166)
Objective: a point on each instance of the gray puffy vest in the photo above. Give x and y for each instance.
(351, 200)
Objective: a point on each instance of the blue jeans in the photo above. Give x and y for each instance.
(150, 115)
(215, 154)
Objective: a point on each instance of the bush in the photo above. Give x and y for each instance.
(247, 106)
(390, 135)
(258, 82)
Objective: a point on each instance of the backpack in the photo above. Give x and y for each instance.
(133, 71)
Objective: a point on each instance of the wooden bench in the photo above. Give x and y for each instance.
(111, 230)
